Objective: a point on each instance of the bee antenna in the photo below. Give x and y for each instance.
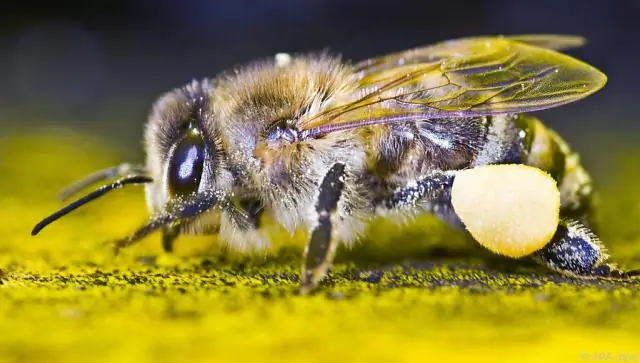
(119, 171)
(132, 180)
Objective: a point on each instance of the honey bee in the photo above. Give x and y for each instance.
(323, 144)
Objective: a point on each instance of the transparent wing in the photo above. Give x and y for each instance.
(551, 41)
(462, 78)
(436, 51)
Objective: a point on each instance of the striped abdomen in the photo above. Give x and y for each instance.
(403, 152)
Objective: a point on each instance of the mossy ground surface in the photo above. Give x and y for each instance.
(418, 294)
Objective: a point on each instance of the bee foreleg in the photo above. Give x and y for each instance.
(322, 244)
(254, 210)
(431, 193)
(575, 250)
(179, 212)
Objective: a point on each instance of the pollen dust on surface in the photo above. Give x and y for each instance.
(417, 293)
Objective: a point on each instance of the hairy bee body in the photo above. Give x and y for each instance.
(282, 177)
(325, 145)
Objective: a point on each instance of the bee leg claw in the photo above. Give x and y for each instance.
(575, 250)
(119, 245)
(169, 235)
(322, 244)
(306, 289)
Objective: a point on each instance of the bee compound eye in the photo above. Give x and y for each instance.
(186, 165)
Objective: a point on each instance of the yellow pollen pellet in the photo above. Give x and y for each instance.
(512, 210)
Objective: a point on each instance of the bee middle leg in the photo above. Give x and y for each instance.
(320, 250)
(431, 193)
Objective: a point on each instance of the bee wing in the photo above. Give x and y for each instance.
(550, 41)
(462, 78)
(436, 51)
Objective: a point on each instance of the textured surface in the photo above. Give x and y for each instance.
(420, 293)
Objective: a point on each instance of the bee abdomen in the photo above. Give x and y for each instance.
(546, 150)
(402, 152)
(413, 149)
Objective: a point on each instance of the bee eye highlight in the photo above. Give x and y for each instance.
(186, 165)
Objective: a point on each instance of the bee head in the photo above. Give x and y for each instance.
(185, 174)
(184, 155)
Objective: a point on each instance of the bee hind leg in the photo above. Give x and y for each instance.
(575, 250)
(323, 240)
